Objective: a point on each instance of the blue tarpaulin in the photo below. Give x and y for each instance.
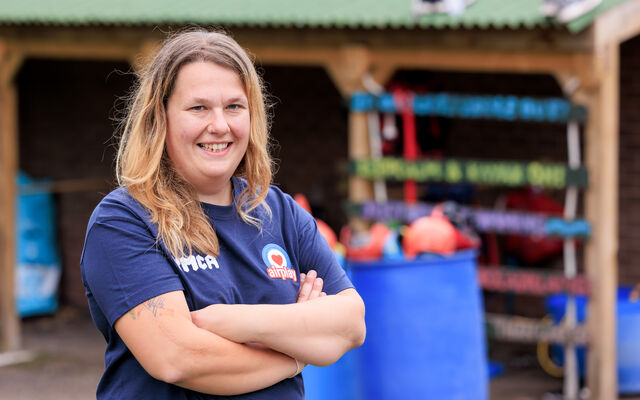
(38, 266)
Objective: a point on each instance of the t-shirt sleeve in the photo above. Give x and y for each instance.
(316, 254)
(123, 266)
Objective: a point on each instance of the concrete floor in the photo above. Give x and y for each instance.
(69, 362)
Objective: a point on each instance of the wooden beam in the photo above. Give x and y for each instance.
(346, 68)
(485, 60)
(539, 40)
(520, 51)
(623, 22)
(303, 56)
(382, 73)
(101, 50)
(10, 62)
(601, 208)
(581, 91)
(422, 57)
(382, 62)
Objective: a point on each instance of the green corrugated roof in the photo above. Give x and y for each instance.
(368, 14)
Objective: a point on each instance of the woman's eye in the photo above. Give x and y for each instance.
(197, 108)
(234, 106)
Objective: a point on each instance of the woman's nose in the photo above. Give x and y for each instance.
(218, 123)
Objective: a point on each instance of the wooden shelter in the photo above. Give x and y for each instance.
(349, 40)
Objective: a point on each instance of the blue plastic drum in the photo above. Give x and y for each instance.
(335, 382)
(425, 332)
(628, 332)
(628, 343)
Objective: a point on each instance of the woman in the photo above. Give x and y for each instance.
(205, 281)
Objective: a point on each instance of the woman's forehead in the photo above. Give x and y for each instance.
(204, 79)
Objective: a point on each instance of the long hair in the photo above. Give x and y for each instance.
(143, 165)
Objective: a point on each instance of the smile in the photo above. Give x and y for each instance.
(216, 148)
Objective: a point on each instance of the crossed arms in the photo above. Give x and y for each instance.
(234, 349)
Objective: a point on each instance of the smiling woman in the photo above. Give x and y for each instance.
(206, 281)
(208, 128)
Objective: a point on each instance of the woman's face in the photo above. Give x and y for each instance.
(208, 124)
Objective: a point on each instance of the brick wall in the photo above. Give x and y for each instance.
(629, 179)
(310, 135)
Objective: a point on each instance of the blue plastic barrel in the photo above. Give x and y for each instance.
(38, 266)
(628, 343)
(335, 382)
(628, 332)
(425, 332)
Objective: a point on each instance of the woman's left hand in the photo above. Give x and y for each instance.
(212, 316)
(310, 287)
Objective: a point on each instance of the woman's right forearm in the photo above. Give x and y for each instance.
(167, 344)
(247, 368)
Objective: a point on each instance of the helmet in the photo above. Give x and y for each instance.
(432, 234)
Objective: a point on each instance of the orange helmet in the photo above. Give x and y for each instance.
(433, 234)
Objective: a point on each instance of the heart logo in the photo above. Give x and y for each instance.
(277, 259)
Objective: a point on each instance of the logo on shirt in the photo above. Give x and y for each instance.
(278, 263)
(197, 262)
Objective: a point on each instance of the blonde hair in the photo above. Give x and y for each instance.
(142, 163)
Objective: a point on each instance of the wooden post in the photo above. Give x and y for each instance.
(601, 208)
(360, 189)
(347, 71)
(9, 321)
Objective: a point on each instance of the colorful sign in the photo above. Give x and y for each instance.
(528, 330)
(495, 173)
(527, 281)
(485, 220)
(508, 108)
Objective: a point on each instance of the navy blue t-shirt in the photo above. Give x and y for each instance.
(123, 265)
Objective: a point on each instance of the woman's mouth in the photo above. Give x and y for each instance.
(214, 147)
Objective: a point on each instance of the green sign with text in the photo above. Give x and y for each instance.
(495, 173)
